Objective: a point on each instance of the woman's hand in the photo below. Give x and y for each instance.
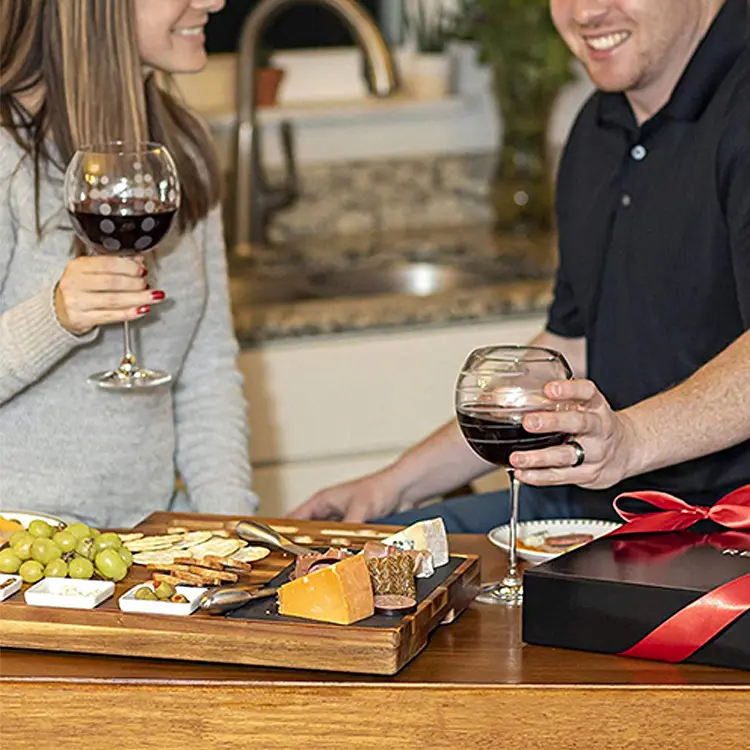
(610, 447)
(102, 289)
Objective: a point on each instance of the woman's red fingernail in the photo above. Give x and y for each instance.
(144, 271)
(158, 295)
(143, 310)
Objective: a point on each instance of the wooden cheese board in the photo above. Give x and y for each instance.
(260, 636)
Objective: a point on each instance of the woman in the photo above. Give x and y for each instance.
(89, 71)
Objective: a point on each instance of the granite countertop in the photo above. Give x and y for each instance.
(508, 275)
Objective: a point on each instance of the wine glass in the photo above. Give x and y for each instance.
(496, 388)
(122, 199)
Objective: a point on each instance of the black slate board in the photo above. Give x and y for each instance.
(267, 609)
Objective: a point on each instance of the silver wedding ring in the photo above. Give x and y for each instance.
(580, 453)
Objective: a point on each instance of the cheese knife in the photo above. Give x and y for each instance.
(255, 531)
(225, 599)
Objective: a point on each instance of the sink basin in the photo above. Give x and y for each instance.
(414, 279)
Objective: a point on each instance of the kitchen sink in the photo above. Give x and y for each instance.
(417, 279)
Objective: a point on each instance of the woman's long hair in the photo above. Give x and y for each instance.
(82, 58)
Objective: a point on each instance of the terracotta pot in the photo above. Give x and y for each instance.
(267, 82)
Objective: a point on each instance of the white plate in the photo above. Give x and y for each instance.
(499, 536)
(26, 517)
(11, 589)
(51, 592)
(128, 602)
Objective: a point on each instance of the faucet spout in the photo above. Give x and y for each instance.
(253, 199)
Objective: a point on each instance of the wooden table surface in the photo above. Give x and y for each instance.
(475, 685)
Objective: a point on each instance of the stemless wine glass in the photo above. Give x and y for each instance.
(122, 199)
(496, 388)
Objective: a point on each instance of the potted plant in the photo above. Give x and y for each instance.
(268, 78)
(468, 69)
(427, 35)
(530, 64)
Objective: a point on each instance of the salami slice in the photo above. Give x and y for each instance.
(394, 604)
(322, 562)
(567, 540)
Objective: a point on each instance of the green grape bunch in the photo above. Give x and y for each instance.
(73, 551)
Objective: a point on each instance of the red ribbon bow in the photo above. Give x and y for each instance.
(681, 635)
(732, 511)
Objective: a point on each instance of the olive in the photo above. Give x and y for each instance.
(145, 592)
(164, 590)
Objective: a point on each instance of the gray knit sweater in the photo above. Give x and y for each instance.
(107, 457)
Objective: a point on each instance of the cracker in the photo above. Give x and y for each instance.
(303, 539)
(249, 555)
(217, 547)
(157, 557)
(286, 529)
(131, 537)
(158, 541)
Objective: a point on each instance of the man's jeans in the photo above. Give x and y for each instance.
(478, 514)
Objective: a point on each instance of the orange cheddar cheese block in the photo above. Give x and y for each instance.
(340, 593)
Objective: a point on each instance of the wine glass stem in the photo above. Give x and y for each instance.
(513, 525)
(128, 363)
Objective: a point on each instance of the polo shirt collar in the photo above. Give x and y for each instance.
(711, 61)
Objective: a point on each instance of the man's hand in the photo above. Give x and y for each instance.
(607, 438)
(364, 499)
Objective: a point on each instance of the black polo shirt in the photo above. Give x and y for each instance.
(654, 226)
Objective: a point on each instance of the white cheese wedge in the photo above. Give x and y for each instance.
(429, 535)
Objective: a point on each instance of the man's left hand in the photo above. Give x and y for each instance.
(606, 437)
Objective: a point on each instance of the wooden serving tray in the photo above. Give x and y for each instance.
(275, 642)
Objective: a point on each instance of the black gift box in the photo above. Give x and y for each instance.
(608, 595)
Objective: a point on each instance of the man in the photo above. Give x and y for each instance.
(652, 298)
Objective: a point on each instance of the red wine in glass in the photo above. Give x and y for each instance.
(122, 228)
(494, 437)
(496, 387)
(122, 198)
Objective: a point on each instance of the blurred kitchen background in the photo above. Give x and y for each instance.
(389, 171)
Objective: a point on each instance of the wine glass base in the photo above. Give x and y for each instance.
(507, 593)
(135, 379)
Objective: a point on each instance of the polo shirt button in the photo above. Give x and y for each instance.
(626, 200)
(638, 152)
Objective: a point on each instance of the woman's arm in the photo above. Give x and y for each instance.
(31, 337)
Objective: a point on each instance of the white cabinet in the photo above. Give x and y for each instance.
(323, 410)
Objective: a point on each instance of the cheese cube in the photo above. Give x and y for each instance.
(429, 535)
(340, 593)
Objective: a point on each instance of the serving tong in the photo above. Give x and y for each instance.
(226, 598)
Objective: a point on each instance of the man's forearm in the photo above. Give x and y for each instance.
(440, 463)
(707, 413)
(444, 461)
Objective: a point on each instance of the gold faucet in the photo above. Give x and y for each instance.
(254, 200)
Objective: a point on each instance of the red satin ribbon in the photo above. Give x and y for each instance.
(673, 544)
(681, 635)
